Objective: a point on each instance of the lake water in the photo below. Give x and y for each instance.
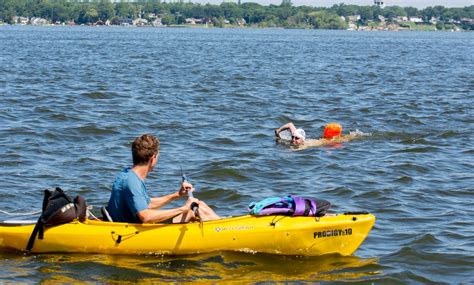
(73, 98)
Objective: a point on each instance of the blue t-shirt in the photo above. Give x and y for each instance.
(129, 197)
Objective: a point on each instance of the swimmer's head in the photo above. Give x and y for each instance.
(332, 130)
(298, 136)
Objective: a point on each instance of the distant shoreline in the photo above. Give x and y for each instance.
(231, 15)
(359, 29)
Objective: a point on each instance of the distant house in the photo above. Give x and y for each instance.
(434, 20)
(38, 21)
(241, 22)
(194, 21)
(401, 19)
(20, 20)
(205, 21)
(415, 20)
(353, 18)
(352, 26)
(125, 22)
(190, 21)
(157, 22)
(452, 21)
(140, 22)
(467, 21)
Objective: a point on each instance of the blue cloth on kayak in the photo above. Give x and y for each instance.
(289, 205)
(129, 197)
(272, 205)
(281, 205)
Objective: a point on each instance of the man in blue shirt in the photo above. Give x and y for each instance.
(129, 201)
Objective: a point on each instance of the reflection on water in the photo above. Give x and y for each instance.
(225, 266)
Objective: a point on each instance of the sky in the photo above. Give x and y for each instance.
(328, 3)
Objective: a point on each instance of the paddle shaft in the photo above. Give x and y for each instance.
(194, 205)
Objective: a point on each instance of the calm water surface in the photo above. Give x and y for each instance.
(72, 99)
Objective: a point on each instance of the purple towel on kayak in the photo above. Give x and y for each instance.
(289, 205)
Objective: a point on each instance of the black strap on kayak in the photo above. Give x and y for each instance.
(120, 238)
(37, 231)
(39, 227)
(356, 213)
(274, 221)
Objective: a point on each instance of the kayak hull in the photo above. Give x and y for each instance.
(283, 235)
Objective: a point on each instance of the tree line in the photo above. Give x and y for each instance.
(174, 13)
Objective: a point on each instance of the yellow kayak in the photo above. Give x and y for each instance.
(306, 236)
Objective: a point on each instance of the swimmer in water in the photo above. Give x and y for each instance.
(332, 135)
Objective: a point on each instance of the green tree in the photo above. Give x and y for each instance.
(7, 14)
(366, 14)
(180, 19)
(124, 10)
(344, 10)
(393, 12)
(231, 10)
(284, 11)
(168, 19)
(440, 25)
(300, 19)
(286, 3)
(213, 11)
(91, 15)
(325, 20)
(253, 12)
(105, 10)
(217, 22)
(197, 11)
(270, 21)
(411, 12)
(80, 12)
(59, 13)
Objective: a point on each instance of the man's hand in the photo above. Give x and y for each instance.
(186, 187)
(187, 205)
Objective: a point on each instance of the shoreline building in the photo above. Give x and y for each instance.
(380, 3)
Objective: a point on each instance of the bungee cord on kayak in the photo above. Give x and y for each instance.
(20, 214)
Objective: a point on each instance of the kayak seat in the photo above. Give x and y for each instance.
(105, 215)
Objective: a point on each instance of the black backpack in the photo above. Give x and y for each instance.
(58, 208)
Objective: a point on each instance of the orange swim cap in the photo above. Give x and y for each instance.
(332, 130)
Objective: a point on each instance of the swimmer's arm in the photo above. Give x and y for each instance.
(344, 138)
(319, 142)
(287, 126)
(323, 142)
